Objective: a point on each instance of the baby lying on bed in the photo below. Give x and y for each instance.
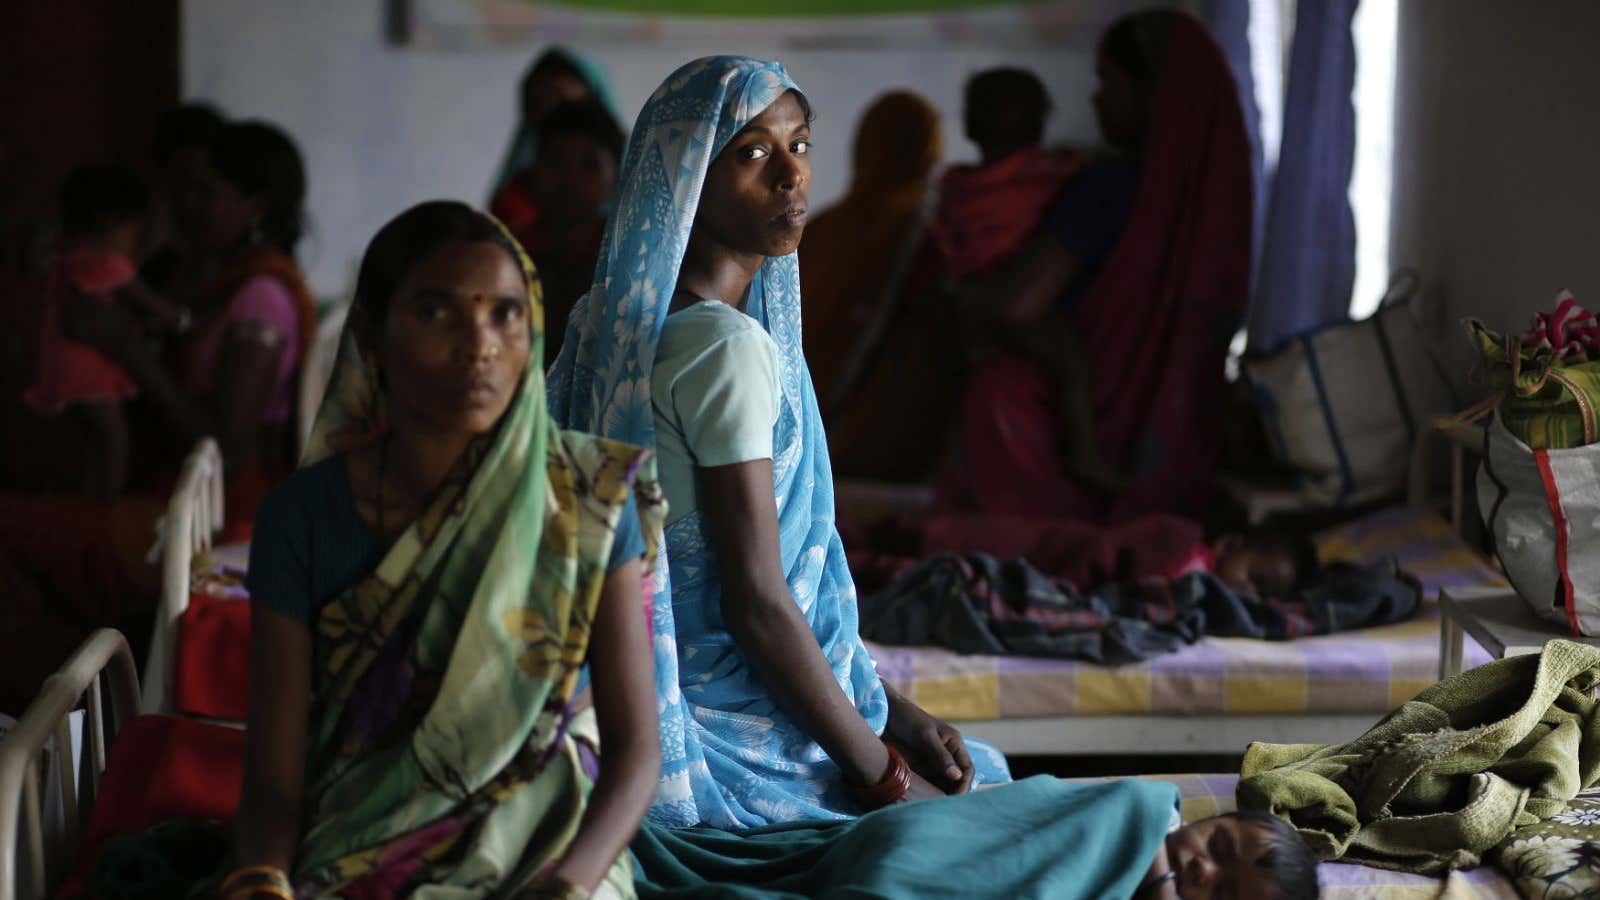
(1088, 555)
(1109, 595)
(1242, 854)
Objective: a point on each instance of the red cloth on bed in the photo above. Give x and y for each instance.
(160, 768)
(1156, 322)
(211, 671)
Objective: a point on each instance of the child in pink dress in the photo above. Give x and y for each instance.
(105, 212)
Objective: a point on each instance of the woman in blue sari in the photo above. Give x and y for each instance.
(689, 340)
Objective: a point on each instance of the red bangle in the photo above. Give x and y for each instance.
(891, 788)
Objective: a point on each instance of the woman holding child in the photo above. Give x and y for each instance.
(254, 315)
(234, 379)
(1143, 266)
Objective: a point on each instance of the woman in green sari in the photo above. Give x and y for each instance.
(432, 591)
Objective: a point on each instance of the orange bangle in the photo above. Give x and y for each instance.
(264, 871)
(252, 880)
(891, 788)
(250, 890)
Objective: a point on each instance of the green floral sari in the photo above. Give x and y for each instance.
(449, 752)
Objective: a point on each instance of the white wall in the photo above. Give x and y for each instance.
(384, 127)
(1497, 157)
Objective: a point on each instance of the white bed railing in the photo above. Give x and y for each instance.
(45, 859)
(194, 517)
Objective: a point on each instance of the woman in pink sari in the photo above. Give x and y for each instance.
(83, 561)
(1137, 280)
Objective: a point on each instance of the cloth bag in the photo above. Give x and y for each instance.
(1343, 403)
(1539, 484)
(1542, 508)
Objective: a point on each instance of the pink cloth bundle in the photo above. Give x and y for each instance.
(1572, 333)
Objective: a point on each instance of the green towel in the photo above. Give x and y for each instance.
(1446, 777)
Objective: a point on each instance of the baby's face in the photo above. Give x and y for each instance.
(1220, 858)
(1254, 571)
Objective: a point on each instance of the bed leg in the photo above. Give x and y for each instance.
(1451, 641)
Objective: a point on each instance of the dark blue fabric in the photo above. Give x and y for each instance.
(975, 603)
(1089, 218)
(1308, 252)
(310, 545)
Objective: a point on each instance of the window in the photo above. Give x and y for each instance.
(1373, 176)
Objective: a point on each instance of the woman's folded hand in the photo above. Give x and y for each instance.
(935, 750)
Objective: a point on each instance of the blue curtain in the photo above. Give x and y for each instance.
(1308, 251)
(1229, 21)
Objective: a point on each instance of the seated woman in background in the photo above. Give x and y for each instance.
(254, 315)
(986, 214)
(432, 595)
(885, 363)
(573, 179)
(1144, 264)
(772, 706)
(558, 76)
(237, 366)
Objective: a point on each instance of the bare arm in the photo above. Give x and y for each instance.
(1017, 306)
(934, 749)
(769, 628)
(1023, 290)
(623, 681)
(139, 295)
(249, 367)
(267, 828)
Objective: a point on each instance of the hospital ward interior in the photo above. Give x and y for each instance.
(565, 449)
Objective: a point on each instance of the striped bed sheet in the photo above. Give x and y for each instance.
(1202, 796)
(1369, 670)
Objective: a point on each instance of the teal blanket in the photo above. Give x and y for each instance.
(1036, 838)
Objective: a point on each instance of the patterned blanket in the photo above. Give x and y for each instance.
(976, 603)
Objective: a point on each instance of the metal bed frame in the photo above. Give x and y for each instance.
(103, 658)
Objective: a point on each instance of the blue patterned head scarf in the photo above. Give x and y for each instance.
(727, 760)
